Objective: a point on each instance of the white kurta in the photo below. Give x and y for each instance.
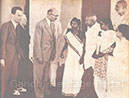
(73, 71)
(91, 42)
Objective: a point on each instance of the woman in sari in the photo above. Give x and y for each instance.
(119, 64)
(104, 48)
(73, 70)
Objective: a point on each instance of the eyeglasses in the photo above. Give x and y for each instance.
(54, 15)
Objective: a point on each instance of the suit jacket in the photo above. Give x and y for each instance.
(59, 41)
(24, 40)
(44, 42)
(9, 42)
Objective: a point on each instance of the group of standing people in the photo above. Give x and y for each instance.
(85, 54)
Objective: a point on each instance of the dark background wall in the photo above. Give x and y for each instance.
(100, 7)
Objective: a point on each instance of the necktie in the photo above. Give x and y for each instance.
(52, 27)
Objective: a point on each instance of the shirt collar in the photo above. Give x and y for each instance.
(48, 21)
(14, 24)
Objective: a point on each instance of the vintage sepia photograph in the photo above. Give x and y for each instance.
(64, 48)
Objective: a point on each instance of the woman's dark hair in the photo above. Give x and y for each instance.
(76, 20)
(124, 29)
(107, 21)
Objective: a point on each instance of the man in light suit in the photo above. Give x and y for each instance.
(10, 51)
(46, 45)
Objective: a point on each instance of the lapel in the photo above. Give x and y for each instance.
(12, 29)
(47, 27)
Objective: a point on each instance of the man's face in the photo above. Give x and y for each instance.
(17, 16)
(52, 17)
(120, 9)
(90, 21)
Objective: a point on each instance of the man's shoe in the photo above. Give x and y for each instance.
(16, 93)
(21, 89)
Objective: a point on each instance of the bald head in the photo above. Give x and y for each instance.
(52, 14)
(121, 7)
(122, 3)
(91, 19)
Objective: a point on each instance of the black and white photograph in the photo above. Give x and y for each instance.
(64, 48)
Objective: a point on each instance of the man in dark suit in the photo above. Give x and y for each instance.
(10, 51)
(45, 51)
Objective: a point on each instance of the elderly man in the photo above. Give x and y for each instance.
(91, 34)
(46, 54)
(93, 28)
(120, 13)
(10, 50)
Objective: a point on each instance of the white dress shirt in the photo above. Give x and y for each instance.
(14, 23)
(48, 21)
